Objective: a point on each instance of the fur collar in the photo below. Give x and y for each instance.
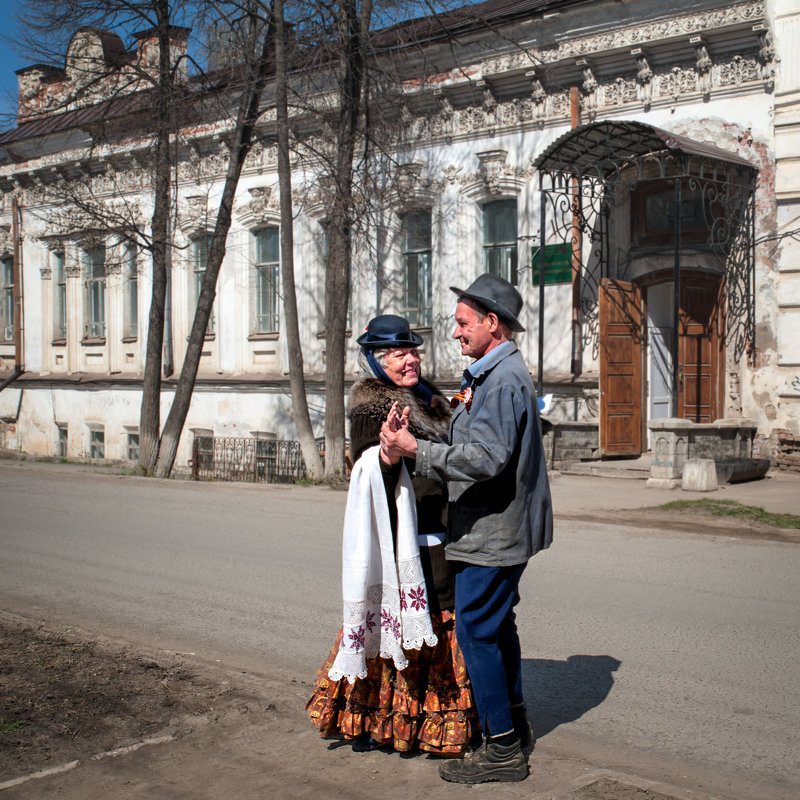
(373, 398)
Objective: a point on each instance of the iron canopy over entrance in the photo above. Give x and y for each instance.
(581, 180)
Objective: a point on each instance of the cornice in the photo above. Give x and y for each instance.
(677, 25)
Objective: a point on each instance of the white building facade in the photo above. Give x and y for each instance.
(722, 77)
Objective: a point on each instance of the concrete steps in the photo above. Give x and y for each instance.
(625, 468)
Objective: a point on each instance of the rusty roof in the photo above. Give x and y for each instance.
(464, 19)
(114, 108)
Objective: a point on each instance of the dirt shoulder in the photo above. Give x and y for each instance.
(67, 697)
(90, 719)
(689, 521)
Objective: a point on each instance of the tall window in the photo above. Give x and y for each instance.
(500, 239)
(416, 254)
(200, 246)
(95, 292)
(63, 439)
(267, 280)
(7, 299)
(131, 292)
(60, 275)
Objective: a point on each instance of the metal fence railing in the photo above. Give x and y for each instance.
(229, 458)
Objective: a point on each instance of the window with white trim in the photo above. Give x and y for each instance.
(95, 262)
(97, 442)
(415, 244)
(132, 444)
(201, 244)
(500, 239)
(130, 278)
(58, 264)
(267, 280)
(63, 439)
(7, 299)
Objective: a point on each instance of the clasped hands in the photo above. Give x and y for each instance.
(396, 439)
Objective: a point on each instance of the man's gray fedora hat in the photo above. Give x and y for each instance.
(496, 294)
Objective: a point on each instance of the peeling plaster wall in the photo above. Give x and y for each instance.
(116, 410)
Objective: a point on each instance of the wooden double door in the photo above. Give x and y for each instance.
(626, 360)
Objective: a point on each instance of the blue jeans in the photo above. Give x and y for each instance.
(486, 629)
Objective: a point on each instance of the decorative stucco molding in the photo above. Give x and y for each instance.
(193, 214)
(495, 178)
(263, 207)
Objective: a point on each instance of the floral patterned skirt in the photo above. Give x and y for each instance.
(428, 704)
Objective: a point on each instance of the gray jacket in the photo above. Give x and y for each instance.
(500, 511)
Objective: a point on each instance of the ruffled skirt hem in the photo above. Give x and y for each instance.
(428, 704)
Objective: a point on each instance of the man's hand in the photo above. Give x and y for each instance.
(396, 439)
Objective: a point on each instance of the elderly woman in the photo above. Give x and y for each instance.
(427, 702)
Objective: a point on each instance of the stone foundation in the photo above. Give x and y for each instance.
(570, 441)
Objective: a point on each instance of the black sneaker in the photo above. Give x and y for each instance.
(490, 762)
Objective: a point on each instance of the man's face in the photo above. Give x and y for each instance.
(472, 332)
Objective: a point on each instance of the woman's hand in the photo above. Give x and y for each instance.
(396, 421)
(396, 439)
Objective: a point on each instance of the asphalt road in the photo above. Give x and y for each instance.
(672, 655)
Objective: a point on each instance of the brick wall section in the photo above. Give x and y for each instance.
(787, 453)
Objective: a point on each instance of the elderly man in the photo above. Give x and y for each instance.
(499, 515)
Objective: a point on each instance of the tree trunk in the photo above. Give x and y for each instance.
(150, 412)
(337, 280)
(240, 145)
(291, 325)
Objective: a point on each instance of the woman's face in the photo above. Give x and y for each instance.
(402, 365)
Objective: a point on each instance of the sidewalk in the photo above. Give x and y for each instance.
(778, 492)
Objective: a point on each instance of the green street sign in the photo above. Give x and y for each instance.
(557, 264)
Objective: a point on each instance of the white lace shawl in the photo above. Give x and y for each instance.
(385, 602)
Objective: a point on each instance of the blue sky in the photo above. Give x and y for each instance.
(9, 62)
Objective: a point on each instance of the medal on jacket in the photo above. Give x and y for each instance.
(464, 396)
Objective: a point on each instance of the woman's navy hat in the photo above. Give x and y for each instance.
(496, 294)
(388, 330)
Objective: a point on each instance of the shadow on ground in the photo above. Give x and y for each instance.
(557, 692)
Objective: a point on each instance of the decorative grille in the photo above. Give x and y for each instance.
(247, 459)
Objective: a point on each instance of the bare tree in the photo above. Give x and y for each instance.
(296, 369)
(256, 75)
(161, 115)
